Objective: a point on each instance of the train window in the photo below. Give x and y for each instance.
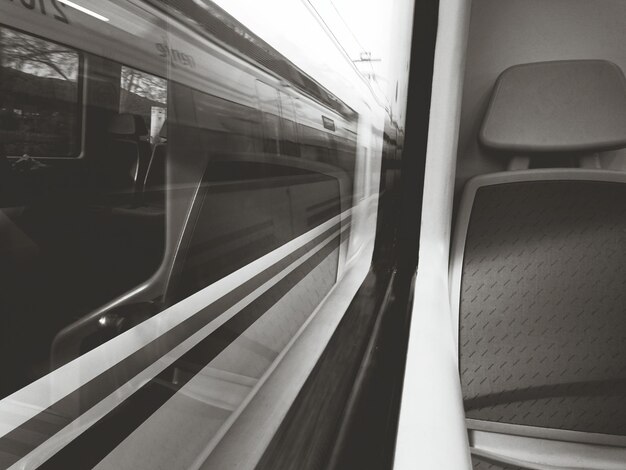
(232, 127)
(145, 95)
(250, 203)
(243, 215)
(268, 99)
(289, 141)
(39, 97)
(72, 236)
(346, 148)
(314, 144)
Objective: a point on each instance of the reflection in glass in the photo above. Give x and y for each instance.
(145, 95)
(39, 96)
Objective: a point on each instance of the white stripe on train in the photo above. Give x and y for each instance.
(70, 432)
(36, 397)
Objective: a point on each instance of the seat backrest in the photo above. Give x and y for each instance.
(556, 110)
(538, 267)
(127, 152)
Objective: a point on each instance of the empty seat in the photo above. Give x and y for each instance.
(538, 270)
(155, 174)
(127, 155)
(562, 106)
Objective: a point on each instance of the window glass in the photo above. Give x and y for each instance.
(39, 97)
(249, 209)
(268, 99)
(145, 95)
(74, 235)
(289, 141)
(314, 144)
(232, 128)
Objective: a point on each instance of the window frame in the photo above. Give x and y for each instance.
(160, 77)
(81, 94)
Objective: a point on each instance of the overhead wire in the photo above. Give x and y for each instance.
(344, 51)
(346, 25)
(363, 49)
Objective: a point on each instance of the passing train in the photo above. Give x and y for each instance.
(180, 206)
(210, 260)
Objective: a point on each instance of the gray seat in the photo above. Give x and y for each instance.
(155, 174)
(538, 271)
(128, 153)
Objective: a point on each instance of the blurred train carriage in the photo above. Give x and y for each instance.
(215, 254)
(161, 168)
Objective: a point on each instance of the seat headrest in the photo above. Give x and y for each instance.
(574, 105)
(128, 124)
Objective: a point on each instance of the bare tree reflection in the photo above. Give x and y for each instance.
(38, 96)
(144, 84)
(37, 57)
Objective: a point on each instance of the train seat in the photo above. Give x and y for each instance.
(154, 182)
(546, 110)
(538, 267)
(128, 153)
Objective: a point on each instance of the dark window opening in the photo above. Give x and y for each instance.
(39, 97)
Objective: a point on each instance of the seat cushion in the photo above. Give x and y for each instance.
(542, 306)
